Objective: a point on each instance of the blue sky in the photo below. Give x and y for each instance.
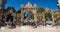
(51, 4)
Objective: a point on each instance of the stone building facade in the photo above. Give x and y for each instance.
(19, 17)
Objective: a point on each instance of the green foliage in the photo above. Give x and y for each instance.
(11, 8)
(58, 18)
(48, 16)
(31, 15)
(38, 18)
(40, 10)
(59, 15)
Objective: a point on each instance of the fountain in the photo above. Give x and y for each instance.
(49, 22)
(29, 21)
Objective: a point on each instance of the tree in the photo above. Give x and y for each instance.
(40, 10)
(58, 18)
(48, 16)
(9, 8)
(31, 15)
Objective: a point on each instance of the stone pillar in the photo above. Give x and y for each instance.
(14, 20)
(44, 19)
(35, 18)
(22, 16)
(53, 19)
(57, 18)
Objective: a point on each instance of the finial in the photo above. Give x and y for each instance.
(35, 5)
(28, 5)
(22, 5)
(28, 2)
(46, 9)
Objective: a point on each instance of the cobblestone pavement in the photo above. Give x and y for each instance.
(31, 29)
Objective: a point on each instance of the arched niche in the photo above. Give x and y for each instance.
(33, 11)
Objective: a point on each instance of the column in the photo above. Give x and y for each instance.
(35, 17)
(22, 16)
(53, 19)
(14, 20)
(57, 18)
(44, 19)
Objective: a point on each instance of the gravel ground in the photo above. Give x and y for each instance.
(31, 29)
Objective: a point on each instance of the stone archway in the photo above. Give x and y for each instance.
(48, 16)
(28, 8)
(9, 17)
(47, 11)
(28, 14)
